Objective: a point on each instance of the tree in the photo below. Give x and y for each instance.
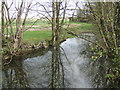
(2, 20)
(55, 13)
(105, 21)
(14, 22)
(56, 19)
(107, 18)
(55, 22)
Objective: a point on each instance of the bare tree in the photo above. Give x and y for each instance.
(55, 12)
(19, 30)
(17, 19)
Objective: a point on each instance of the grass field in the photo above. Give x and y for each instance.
(84, 27)
(41, 30)
(34, 37)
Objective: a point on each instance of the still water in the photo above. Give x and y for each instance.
(68, 66)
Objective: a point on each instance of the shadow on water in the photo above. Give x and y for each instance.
(57, 79)
(16, 75)
(61, 66)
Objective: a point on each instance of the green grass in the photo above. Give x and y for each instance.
(30, 22)
(87, 26)
(39, 23)
(84, 27)
(34, 37)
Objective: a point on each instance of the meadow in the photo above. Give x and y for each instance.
(40, 30)
(44, 32)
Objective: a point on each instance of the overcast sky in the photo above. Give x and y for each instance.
(71, 5)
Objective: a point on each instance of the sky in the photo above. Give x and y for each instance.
(71, 5)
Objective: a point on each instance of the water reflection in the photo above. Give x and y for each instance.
(14, 76)
(57, 80)
(61, 66)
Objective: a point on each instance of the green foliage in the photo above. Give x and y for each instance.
(5, 51)
(110, 76)
(94, 58)
(116, 60)
(97, 52)
(114, 68)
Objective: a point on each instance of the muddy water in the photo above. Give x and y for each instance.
(68, 66)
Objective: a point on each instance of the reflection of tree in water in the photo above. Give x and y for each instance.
(57, 79)
(96, 71)
(14, 76)
(101, 67)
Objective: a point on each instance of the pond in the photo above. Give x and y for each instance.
(66, 66)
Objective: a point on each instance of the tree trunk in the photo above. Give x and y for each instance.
(55, 22)
(2, 21)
